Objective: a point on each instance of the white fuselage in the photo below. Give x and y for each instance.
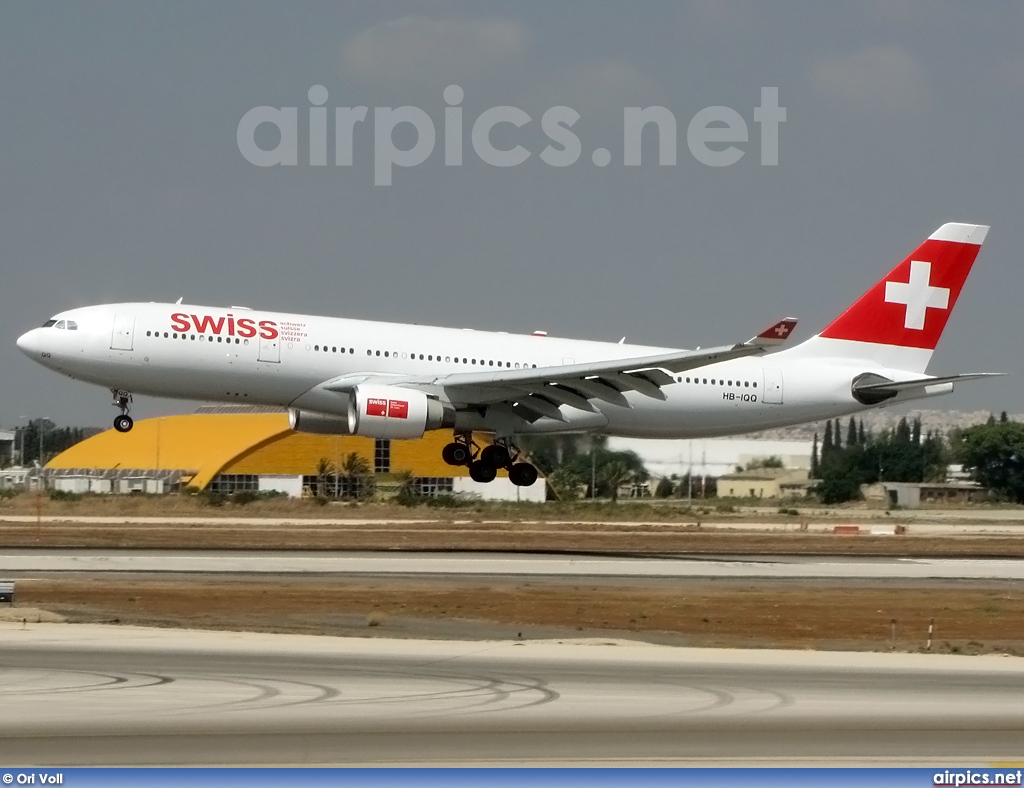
(265, 358)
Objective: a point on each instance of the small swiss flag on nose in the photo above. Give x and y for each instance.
(911, 304)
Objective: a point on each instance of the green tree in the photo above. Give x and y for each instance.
(614, 474)
(815, 468)
(994, 454)
(565, 483)
(326, 478)
(773, 461)
(358, 476)
(665, 488)
(838, 486)
(355, 465)
(827, 444)
(851, 433)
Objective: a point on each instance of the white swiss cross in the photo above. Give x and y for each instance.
(917, 295)
(782, 329)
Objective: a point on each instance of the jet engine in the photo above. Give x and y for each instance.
(318, 423)
(388, 412)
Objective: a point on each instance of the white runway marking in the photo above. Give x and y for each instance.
(454, 564)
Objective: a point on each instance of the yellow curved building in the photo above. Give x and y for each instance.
(252, 451)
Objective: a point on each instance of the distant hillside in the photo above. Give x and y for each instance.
(880, 420)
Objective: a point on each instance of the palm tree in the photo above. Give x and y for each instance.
(358, 475)
(615, 474)
(325, 472)
(355, 466)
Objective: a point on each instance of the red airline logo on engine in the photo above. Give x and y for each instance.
(376, 407)
(389, 408)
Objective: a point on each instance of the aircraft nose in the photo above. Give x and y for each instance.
(28, 343)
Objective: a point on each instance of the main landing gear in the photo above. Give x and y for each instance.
(483, 465)
(122, 400)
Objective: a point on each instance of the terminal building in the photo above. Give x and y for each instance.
(224, 450)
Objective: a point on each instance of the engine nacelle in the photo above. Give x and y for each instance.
(389, 412)
(318, 423)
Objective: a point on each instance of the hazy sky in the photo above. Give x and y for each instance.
(122, 177)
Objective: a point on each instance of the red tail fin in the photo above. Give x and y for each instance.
(910, 305)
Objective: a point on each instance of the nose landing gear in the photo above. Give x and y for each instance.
(122, 400)
(483, 467)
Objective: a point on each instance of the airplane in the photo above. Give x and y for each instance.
(396, 381)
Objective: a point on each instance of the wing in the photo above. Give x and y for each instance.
(537, 392)
(530, 394)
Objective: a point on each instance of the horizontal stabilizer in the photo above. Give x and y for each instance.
(893, 386)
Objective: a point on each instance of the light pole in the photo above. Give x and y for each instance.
(40, 422)
(39, 461)
(21, 451)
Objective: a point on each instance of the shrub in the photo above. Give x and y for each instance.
(63, 495)
(664, 489)
(242, 497)
(211, 498)
(447, 502)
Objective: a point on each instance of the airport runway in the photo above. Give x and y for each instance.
(93, 694)
(496, 564)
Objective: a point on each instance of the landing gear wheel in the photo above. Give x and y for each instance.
(496, 455)
(457, 454)
(123, 423)
(522, 474)
(483, 472)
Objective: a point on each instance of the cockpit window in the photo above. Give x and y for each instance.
(72, 325)
(60, 324)
(49, 323)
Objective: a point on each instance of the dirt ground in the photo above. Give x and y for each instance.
(968, 619)
(670, 510)
(649, 539)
